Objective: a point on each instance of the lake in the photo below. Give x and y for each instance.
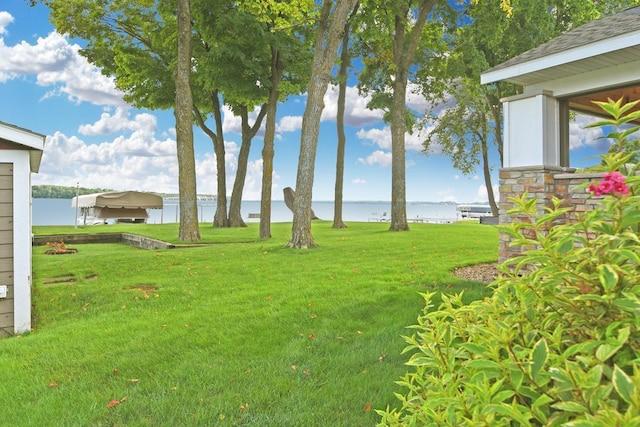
(60, 212)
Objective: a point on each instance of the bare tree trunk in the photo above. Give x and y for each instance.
(487, 177)
(496, 112)
(342, 98)
(220, 215)
(403, 54)
(248, 132)
(188, 229)
(398, 162)
(268, 150)
(326, 50)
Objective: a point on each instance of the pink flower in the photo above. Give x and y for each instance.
(611, 183)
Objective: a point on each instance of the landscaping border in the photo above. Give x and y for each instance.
(134, 240)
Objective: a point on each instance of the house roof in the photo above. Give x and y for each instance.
(599, 44)
(24, 139)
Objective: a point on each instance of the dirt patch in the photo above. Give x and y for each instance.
(485, 273)
(67, 279)
(143, 288)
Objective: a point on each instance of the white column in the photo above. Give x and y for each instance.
(531, 130)
(21, 239)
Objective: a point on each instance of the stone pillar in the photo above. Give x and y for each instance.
(538, 182)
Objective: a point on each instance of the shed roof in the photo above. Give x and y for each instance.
(602, 43)
(24, 139)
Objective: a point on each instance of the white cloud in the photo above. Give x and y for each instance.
(380, 137)
(139, 161)
(446, 195)
(378, 157)
(580, 136)
(118, 122)
(5, 20)
(289, 124)
(359, 181)
(482, 195)
(57, 64)
(356, 112)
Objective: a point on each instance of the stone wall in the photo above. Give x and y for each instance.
(542, 183)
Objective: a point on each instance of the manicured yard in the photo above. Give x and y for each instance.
(237, 332)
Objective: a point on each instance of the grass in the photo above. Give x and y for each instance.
(240, 332)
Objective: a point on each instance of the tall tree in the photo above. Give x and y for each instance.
(188, 229)
(343, 73)
(485, 34)
(391, 35)
(136, 43)
(331, 25)
(285, 42)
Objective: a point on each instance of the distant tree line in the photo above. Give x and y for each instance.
(60, 192)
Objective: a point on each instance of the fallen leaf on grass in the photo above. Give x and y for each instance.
(113, 403)
(368, 407)
(53, 384)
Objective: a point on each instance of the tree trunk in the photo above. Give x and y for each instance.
(188, 229)
(248, 132)
(235, 204)
(342, 97)
(324, 57)
(268, 149)
(487, 177)
(403, 53)
(398, 162)
(220, 216)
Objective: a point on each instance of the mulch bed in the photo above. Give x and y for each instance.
(485, 273)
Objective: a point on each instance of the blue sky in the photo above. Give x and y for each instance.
(98, 141)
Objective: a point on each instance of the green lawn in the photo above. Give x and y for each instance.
(239, 332)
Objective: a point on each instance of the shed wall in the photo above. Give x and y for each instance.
(6, 248)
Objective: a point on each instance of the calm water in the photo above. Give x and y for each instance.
(60, 212)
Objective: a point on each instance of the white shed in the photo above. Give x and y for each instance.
(595, 61)
(20, 155)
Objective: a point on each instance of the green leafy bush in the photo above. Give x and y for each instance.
(557, 343)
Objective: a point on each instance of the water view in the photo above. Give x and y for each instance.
(60, 211)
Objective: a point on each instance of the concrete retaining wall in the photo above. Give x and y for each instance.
(135, 240)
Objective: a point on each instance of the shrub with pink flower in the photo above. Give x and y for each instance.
(612, 182)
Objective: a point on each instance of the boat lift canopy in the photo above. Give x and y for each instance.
(118, 205)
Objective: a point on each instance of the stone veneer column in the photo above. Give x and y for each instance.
(538, 182)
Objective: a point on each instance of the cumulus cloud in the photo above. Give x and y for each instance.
(289, 124)
(580, 135)
(356, 112)
(5, 19)
(57, 64)
(119, 122)
(378, 157)
(380, 137)
(482, 196)
(133, 157)
(446, 195)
